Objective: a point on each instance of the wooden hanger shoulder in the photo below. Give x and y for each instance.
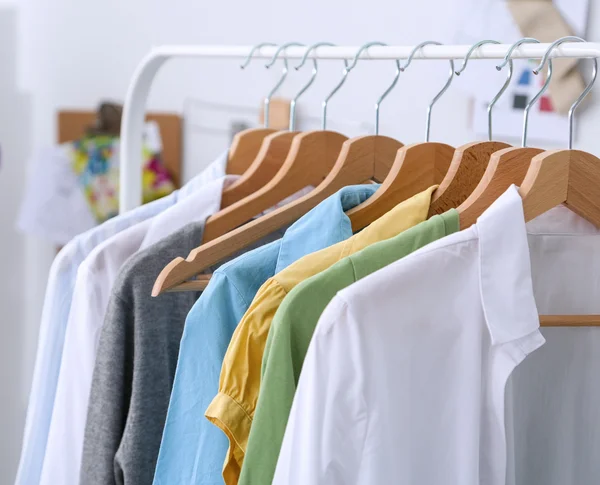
(273, 152)
(384, 152)
(583, 192)
(244, 148)
(415, 168)
(466, 169)
(372, 154)
(311, 157)
(555, 177)
(507, 166)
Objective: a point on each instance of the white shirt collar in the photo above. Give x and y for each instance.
(505, 270)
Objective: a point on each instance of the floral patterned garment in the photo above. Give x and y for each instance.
(95, 160)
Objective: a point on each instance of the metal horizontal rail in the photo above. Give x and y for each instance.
(135, 102)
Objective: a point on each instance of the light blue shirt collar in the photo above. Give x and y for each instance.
(323, 226)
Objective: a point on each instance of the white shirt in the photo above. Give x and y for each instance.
(404, 380)
(94, 283)
(55, 314)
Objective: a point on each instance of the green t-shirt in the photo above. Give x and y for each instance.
(292, 329)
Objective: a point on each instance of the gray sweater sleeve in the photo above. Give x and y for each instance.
(107, 417)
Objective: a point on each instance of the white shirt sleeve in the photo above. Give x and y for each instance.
(326, 430)
(70, 409)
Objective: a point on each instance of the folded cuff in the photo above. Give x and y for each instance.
(226, 413)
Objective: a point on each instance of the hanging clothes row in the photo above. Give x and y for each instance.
(349, 311)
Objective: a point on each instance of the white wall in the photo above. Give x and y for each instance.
(76, 52)
(15, 123)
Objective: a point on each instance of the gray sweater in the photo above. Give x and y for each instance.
(135, 366)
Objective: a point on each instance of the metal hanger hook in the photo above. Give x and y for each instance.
(506, 83)
(249, 57)
(309, 83)
(507, 60)
(245, 64)
(388, 90)
(470, 52)
(325, 102)
(587, 89)
(532, 102)
(508, 56)
(345, 72)
(442, 91)
(284, 74)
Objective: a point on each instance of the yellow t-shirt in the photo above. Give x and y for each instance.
(233, 407)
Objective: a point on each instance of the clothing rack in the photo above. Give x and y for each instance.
(135, 101)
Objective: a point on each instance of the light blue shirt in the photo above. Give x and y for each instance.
(193, 450)
(55, 315)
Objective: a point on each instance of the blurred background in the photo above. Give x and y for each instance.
(63, 55)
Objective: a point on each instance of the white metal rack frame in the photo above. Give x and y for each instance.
(135, 101)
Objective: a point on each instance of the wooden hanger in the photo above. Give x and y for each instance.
(273, 151)
(310, 158)
(314, 146)
(334, 172)
(419, 166)
(415, 168)
(467, 167)
(247, 144)
(244, 149)
(507, 166)
(374, 153)
(276, 146)
(471, 161)
(569, 177)
(547, 179)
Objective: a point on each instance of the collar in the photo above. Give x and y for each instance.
(323, 226)
(505, 270)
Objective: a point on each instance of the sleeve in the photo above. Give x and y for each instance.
(62, 461)
(327, 427)
(277, 389)
(232, 409)
(47, 367)
(192, 450)
(109, 397)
